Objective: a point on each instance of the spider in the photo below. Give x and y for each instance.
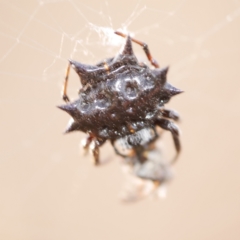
(123, 100)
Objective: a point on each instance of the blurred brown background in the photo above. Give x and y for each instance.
(48, 190)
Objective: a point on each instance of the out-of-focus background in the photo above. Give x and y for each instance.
(49, 190)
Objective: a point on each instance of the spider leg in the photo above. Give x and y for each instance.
(94, 144)
(64, 91)
(94, 148)
(86, 142)
(144, 46)
(170, 126)
(170, 114)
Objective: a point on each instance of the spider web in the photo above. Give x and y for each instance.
(39, 36)
(48, 190)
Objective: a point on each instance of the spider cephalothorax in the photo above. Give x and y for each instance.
(119, 98)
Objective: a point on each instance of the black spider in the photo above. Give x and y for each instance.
(122, 100)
